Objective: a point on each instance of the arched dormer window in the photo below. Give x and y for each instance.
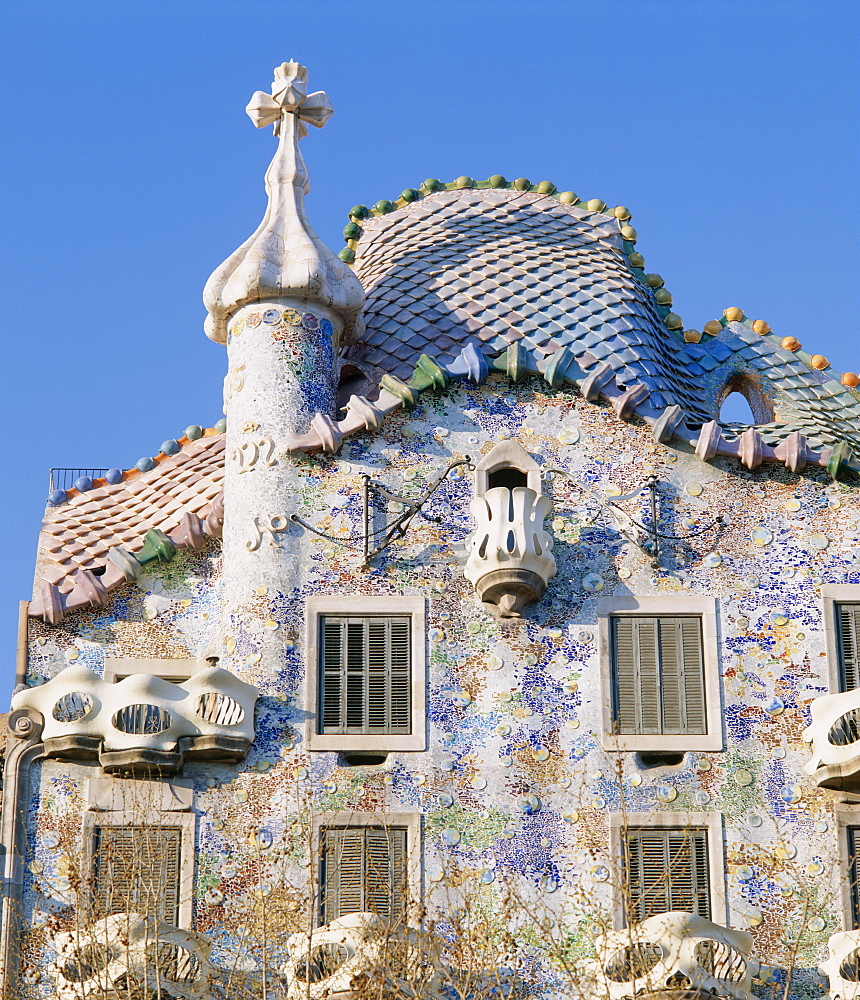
(507, 465)
(732, 410)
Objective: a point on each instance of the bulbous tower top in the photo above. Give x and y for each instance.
(284, 258)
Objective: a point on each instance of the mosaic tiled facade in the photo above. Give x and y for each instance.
(516, 785)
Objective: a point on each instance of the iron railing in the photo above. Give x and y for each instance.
(65, 479)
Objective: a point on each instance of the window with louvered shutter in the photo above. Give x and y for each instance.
(136, 870)
(365, 675)
(658, 673)
(362, 868)
(848, 645)
(667, 869)
(853, 834)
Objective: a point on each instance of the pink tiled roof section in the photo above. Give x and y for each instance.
(181, 497)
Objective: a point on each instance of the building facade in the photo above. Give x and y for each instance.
(473, 617)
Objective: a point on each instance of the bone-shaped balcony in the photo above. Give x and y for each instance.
(128, 954)
(842, 967)
(509, 554)
(673, 956)
(834, 733)
(143, 724)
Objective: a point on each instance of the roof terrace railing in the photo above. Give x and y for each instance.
(65, 479)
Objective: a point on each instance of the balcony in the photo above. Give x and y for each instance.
(834, 733)
(842, 967)
(673, 956)
(509, 561)
(143, 724)
(129, 955)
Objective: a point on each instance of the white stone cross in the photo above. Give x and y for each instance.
(289, 97)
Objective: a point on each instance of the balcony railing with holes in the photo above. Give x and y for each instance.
(834, 732)
(672, 956)
(143, 724)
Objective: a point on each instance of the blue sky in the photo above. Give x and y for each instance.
(131, 170)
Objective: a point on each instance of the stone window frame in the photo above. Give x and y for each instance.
(831, 595)
(703, 608)
(131, 802)
(411, 821)
(359, 606)
(711, 822)
(118, 668)
(846, 815)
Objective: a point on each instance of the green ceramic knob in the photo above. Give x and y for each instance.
(347, 255)
(663, 296)
(545, 187)
(596, 205)
(359, 212)
(383, 207)
(674, 321)
(629, 233)
(654, 280)
(497, 181)
(464, 182)
(522, 184)
(636, 260)
(194, 432)
(220, 425)
(410, 195)
(431, 184)
(621, 212)
(351, 231)
(568, 198)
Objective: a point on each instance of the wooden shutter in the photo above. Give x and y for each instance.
(136, 870)
(668, 870)
(854, 874)
(366, 675)
(848, 631)
(659, 676)
(363, 868)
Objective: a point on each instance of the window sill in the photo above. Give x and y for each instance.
(638, 744)
(320, 742)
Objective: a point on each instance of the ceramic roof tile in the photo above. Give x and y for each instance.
(79, 533)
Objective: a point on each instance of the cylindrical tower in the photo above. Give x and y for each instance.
(281, 303)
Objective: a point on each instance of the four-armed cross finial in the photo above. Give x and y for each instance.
(289, 96)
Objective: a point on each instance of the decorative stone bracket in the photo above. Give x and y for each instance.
(835, 737)
(127, 954)
(332, 960)
(842, 967)
(509, 560)
(143, 724)
(673, 955)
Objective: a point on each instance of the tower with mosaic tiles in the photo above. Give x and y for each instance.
(476, 612)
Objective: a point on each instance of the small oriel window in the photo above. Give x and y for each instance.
(508, 465)
(658, 676)
(366, 677)
(848, 645)
(362, 869)
(668, 870)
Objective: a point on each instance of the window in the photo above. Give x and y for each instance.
(660, 674)
(841, 619)
(667, 870)
(363, 868)
(853, 838)
(848, 645)
(176, 671)
(365, 675)
(365, 681)
(671, 861)
(508, 465)
(139, 837)
(136, 869)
